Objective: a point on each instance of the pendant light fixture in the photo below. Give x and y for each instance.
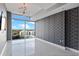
(23, 6)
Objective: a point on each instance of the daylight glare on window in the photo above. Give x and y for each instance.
(19, 23)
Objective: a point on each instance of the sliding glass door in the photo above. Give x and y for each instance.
(23, 32)
(30, 29)
(22, 29)
(17, 28)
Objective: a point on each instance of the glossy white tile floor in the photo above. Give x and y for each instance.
(34, 47)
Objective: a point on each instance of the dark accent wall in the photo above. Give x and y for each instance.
(51, 28)
(61, 28)
(9, 26)
(72, 28)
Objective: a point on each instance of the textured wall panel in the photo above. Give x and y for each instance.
(51, 28)
(59, 28)
(39, 29)
(46, 28)
(72, 30)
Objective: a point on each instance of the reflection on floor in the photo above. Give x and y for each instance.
(34, 47)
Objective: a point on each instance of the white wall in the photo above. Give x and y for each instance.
(3, 33)
(2, 39)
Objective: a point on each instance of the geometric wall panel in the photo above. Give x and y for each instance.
(61, 28)
(51, 28)
(72, 28)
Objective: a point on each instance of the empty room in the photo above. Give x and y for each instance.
(39, 29)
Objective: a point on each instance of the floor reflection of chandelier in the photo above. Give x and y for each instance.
(23, 6)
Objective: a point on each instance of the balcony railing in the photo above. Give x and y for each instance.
(19, 34)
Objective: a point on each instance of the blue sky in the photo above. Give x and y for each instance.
(19, 24)
(20, 17)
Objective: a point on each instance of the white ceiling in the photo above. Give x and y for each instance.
(39, 10)
(32, 8)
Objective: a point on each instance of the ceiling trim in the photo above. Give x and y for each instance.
(59, 9)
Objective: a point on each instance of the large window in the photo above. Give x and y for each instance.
(20, 17)
(21, 27)
(18, 22)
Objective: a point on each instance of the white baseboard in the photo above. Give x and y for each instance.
(72, 50)
(3, 49)
(62, 47)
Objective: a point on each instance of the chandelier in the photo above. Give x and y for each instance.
(23, 6)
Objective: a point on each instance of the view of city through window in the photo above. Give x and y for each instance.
(21, 28)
